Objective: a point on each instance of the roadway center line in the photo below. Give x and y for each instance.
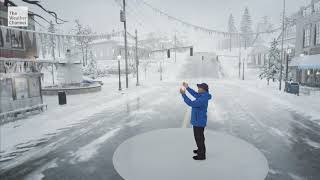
(186, 118)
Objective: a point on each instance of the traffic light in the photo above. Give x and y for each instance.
(191, 51)
(168, 53)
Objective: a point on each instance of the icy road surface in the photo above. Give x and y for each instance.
(289, 140)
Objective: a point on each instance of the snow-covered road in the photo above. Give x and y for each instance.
(289, 140)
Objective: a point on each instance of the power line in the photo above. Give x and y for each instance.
(204, 29)
(67, 35)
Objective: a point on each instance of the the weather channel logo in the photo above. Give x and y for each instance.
(18, 16)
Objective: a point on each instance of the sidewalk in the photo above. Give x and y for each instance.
(23, 135)
(307, 105)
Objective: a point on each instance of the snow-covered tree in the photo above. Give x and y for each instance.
(231, 24)
(264, 25)
(232, 29)
(51, 41)
(271, 68)
(145, 65)
(83, 42)
(91, 70)
(246, 28)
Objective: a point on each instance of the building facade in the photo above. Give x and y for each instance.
(20, 81)
(257, 56)
(106, 49)
(306, 64)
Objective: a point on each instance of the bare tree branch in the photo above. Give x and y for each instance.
(37, 15)
(7, 2)
(37, 3)
(52, 13)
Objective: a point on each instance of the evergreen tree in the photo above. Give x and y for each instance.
(91, 69)
(51, 40)
(231, 29)
(231, 25)
(82, 42)
(264, 25)
(246, 28)
(271, 68)
(51, 28)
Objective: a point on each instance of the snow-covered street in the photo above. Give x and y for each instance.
(77, 141)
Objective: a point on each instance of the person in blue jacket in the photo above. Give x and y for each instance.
(198, 115)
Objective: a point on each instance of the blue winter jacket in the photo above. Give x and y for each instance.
(199, 107)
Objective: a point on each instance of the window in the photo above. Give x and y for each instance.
(317, 7)
(317, 34)
(307, 11)
(307, 36)
(16, 39)
(11, 39)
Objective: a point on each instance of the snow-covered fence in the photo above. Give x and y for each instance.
(20, 93)
(309, 91)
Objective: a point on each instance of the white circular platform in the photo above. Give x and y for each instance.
(167, 155)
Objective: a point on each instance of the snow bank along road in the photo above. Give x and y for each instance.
(290, 141)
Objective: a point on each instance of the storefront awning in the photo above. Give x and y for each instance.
(306, 62)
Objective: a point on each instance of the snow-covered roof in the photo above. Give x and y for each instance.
(306, 62)
(259, 49)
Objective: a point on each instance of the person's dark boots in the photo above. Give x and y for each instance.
(203, 157)
(195, 151)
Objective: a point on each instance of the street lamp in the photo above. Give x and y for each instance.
(124, 20)
(287, 63)
(119, 58)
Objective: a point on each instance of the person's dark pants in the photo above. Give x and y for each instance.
(199, 137)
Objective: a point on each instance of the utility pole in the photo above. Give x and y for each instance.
(287, 63)
(160, 69)
(175, 48)
(162, 59)
(124, 20)
(282, 42)
(230, 42)
(137, 60)
(119, 72)
(239, 57)
(269, 66)
(243, 68)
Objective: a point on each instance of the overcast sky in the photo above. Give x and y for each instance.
(103, 15)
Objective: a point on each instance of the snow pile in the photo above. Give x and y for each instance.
(20, 136)
(87, 152)
(306, 105)
(38, 174)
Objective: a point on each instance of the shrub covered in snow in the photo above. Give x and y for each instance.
(91, 70)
